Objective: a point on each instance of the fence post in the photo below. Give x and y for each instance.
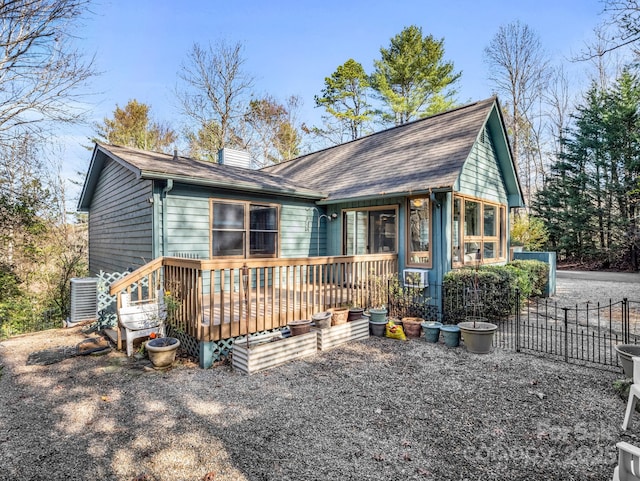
(626, 338)
(566, 333)
(518, 320)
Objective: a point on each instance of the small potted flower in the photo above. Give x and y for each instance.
(162, 350)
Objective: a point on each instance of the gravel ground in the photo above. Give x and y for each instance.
(379, 409)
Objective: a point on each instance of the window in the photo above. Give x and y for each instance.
(419, 232)
(238, 228)
(369, 231)
(479, 231)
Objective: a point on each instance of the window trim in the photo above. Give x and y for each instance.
(500, 238)
(247, 228)
(408, 251)
(343, 233)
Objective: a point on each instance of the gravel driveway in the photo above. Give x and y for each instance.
(379, 409)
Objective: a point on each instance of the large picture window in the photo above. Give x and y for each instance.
(478, 231)
(419, 232)
(243, 229)
(369, 231)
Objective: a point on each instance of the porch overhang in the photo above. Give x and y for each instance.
(387, 195)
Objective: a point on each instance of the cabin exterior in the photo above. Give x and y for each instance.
(428, 196)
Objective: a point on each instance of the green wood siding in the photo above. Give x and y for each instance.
(120, 221)
(188, 229)
(481, 175)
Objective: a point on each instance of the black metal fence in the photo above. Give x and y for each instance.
(582, 333)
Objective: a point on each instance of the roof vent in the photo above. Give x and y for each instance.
(234, 158)
(175, 154)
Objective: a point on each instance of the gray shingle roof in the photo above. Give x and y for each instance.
(414, 157)
(156, 165)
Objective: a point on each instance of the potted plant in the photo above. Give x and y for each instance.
(378, 293)
(476, 332)
(162, 351)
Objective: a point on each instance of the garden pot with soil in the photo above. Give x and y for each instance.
(377, 328)
(450, 335)
(338, 315)
(378, 314)
(162, 351)
(322, 320)
(626, 353)
(477, 334)
(412, 326)
(355, 313)
(431, 330)
(299, 327)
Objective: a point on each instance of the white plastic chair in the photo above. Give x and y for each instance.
(628, 468)
(634, 393)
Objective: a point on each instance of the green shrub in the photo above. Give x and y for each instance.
(530, 232)
(497, 299)
(497, 283)
(537, 271)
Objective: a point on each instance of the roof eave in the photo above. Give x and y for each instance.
(300, 193)
(386, 195)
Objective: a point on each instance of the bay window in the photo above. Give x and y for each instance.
(479, 231)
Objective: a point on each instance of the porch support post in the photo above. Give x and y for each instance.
(205, 354)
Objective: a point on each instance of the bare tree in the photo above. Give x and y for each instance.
(41, 74)
(274, 134)
(559, 108)
(624, 16)
(518, 68)
(214, 92)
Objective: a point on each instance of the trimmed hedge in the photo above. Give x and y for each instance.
(497, 285)
(537, 271)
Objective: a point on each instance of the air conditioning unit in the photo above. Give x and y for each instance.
(415, 278)
(84, 300)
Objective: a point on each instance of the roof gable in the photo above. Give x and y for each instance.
(419, 156)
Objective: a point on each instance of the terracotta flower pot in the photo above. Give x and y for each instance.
(412, 326)
(339, 315)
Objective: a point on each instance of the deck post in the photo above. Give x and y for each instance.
(205, 354)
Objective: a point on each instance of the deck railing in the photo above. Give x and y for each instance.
(221, 299)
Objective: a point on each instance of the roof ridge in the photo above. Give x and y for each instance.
(413, 122)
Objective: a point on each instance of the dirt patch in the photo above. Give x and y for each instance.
(371, 410)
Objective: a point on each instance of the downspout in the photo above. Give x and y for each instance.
(165, 191)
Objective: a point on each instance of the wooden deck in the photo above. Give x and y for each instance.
(221, 299)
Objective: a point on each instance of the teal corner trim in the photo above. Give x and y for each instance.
(206, 354)
(548, 258)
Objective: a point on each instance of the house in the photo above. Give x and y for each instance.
(431, 195)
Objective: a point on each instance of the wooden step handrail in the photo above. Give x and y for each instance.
(136, 275)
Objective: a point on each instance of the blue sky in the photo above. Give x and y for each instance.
(291, 46)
